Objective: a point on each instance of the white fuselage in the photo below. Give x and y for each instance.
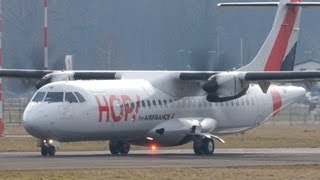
(133, 110)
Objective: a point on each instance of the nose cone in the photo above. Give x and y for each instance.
(34, 122)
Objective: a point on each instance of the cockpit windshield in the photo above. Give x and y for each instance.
(38, 97)
(54, 97)
(70, 97)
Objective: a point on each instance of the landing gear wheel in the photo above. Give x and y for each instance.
(124, 148)
(44, 151)
(197, 147)
(51, 150)
(203, 146)
(114, 147)
(208, 146)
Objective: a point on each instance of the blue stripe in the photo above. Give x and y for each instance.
(288, 63)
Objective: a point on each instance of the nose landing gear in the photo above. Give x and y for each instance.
(48, 147)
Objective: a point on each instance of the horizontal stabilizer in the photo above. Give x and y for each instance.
(303, 4)
(247, 4)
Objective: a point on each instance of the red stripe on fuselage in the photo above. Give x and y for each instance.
(280, 46)
(276, 101)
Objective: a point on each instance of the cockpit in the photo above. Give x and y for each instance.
(54, 97)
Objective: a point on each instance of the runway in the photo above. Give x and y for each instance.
(160, 158)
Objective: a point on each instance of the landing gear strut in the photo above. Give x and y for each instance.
(203, 146)
(117, 147)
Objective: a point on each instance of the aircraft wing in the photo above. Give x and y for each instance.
(235, 83)
(24, 73)
(256, 76)
(282, 76)
(38, 74)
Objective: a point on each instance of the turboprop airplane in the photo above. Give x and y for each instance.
(168, 108)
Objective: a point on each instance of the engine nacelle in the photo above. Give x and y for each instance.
(225, 86)
(180, 129)
(54, 77)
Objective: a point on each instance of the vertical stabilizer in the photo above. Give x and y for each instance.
(278, 51)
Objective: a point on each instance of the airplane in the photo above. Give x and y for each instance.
(168, 108)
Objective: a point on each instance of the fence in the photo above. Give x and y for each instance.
(13, 110)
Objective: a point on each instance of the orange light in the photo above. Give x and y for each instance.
(153, 147)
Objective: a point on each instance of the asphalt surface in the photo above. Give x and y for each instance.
(159, 158)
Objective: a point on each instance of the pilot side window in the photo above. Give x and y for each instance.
(70, 98)
(54, 97)
(80, 97)
(38, 97)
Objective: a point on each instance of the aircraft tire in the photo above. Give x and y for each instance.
(51, 151)
(197, 148)
(114, 147)
(124, 148)
(44, 151)
(207, 146)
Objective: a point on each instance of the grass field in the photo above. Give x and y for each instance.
(266, 136)
(261, 172)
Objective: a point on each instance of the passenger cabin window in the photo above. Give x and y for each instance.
(165, 103)
(242, 101)
(80, 97)
(149, 104)
(160, 103)
(54, 97)
(70, 98)
(143, 104)
(38, 97)
(247, 101)
(154, 103)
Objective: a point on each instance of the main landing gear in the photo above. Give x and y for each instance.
(117, 147)
(203, 145)
(48, 147)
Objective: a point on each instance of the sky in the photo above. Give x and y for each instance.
(143, 34)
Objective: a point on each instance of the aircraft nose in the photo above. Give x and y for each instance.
(34, 123)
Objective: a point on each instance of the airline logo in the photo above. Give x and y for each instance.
(118, 107)
(124, 108)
